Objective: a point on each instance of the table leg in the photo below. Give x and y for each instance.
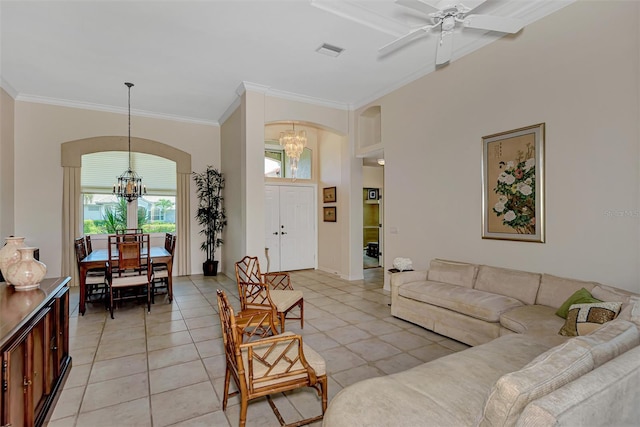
(170, 280)
(83, 284)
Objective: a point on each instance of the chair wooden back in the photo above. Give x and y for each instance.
(80, 249)
(88, 245)
(130, 234)
(168, 238)
(129, 231)
(231, 340)
(129, 257)
(254, 294)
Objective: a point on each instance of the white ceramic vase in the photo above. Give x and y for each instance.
(9, 254)
(27, 273)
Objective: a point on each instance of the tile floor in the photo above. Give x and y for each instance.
(167, 367)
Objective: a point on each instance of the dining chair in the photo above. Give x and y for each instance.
(258, 291)
(130, 272)
(88, 244)
(268, 365)
(161, 270)
(95, 282)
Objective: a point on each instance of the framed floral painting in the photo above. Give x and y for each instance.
(513, 185)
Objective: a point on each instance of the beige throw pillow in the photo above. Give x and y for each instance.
(582, 319)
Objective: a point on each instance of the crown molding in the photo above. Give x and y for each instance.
(251, 87)
(308, 99)
(8, 88)
(110, 109)
(229, 111)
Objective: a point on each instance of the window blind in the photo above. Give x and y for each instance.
(101, 170)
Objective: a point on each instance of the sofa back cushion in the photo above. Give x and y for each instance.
(455, 273)
(546, 373)
(608, 293)
(520, 285)
(610, 341)
(555, 290)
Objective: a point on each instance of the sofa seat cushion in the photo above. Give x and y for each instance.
(532, 319)
(448, 391)
(481, 305)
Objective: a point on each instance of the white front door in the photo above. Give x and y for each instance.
(290, 227)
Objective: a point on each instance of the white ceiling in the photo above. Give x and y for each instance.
(188, 58)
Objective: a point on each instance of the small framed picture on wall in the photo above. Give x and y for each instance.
(372, 194)
(329, 214)
(329, 195)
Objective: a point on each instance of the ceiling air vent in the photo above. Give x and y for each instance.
(327, 49)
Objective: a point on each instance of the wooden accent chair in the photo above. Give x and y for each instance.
(130, 272)
(96, 281)
(267, 366)
(161, 272)
(271, 290)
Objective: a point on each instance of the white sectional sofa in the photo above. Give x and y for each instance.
(520, 372)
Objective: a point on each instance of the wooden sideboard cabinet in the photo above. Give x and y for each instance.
(34, 334)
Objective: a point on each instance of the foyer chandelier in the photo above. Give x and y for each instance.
(129, 186)
(293, 143)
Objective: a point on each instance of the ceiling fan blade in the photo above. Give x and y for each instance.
(444, 48)
(494, 23)
(414, 34)
(472, 4)
(418, 5)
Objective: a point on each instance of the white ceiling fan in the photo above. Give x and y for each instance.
(446, 14)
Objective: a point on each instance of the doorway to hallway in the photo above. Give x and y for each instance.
(371, 227)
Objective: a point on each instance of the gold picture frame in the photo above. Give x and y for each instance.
(513, 185)
(329, 195)
(329, 214)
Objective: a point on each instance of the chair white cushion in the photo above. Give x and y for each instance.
(118, 282)
(284, 299)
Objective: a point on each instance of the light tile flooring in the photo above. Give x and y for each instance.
(167, 367)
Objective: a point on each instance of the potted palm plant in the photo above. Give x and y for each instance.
(210, 215)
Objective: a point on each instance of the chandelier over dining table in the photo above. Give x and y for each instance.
(129, 186)
(293, 143)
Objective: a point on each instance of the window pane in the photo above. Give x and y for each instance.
(272, 168)
(273, 160)
(103, 213)
(160, 213)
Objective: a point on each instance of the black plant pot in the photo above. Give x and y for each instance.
(210, 268)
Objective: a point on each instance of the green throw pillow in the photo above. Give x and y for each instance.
(582, 296)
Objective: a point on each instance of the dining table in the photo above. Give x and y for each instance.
(99, 257)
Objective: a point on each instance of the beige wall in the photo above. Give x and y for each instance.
(577, 71)
(40, 130)
(231, 147)
(372, 177)
(6, 165)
